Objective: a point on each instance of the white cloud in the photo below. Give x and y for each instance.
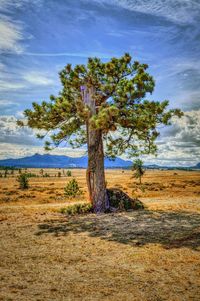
(2, 66)
(5, 103)
(7, 106)
(11, 133)
(188, 99)
(187, 128)
(18, 142)
(73, 54)
(11, 30)
(14, 150)
(6, 85)
(25, 79)
(11, 34)
(37, 78)
(175, 66)
(178, 11)
(179, 144)
(5, 5)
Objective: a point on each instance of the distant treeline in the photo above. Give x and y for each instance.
(125, 168)
(9, 168)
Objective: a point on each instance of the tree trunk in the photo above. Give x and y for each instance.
(95, 172)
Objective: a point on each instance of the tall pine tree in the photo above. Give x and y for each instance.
(102, 105)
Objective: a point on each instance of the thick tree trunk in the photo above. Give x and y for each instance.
(95, 171)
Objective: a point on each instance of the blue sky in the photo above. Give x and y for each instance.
(39, 37)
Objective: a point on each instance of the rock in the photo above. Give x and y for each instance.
(119, 200)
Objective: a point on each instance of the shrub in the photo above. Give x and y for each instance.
(23, 181)
(72, 189)
(31, 175)
(77, 209)
(46, 175)
(139, 171)
(120, 200)
(59, 174)
(69, 173)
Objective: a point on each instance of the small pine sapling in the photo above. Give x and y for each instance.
(23, 181)
(139, 170)
(72, 188)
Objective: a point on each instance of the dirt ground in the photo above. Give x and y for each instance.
(152, 254)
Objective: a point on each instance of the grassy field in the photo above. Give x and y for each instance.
(152, 254)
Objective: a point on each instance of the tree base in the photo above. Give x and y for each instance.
(120, 201)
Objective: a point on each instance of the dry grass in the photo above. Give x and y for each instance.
(153, 254)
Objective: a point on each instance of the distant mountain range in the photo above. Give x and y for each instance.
(197, 166)
(56, 161)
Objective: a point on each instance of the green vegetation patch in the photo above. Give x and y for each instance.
(72, 189)
(121, 201)
(77, 209)
(22, 179)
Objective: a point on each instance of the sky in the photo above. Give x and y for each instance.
(39, 37)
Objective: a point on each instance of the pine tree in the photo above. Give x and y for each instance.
(23, 181)
(102, 105)
(138, 168)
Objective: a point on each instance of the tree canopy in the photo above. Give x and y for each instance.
(128, 122)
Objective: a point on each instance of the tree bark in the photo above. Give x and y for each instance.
(95, 172)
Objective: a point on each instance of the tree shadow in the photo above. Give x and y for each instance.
(137, 228)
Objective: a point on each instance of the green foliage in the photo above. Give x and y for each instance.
(138, 205)
(119, 88)
(72, 188)
(77, 209)
(30, 175)
(23, 181)
(120, 200)
(8, 168)
(138, 167)
(46, 175)
(69, 173)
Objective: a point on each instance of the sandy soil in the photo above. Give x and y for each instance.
(152, 254)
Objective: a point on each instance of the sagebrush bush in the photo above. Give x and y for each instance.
(23, 181)
(72, 188)
(77, 209)
(31, 175)
(69, 173)
(46, 175)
